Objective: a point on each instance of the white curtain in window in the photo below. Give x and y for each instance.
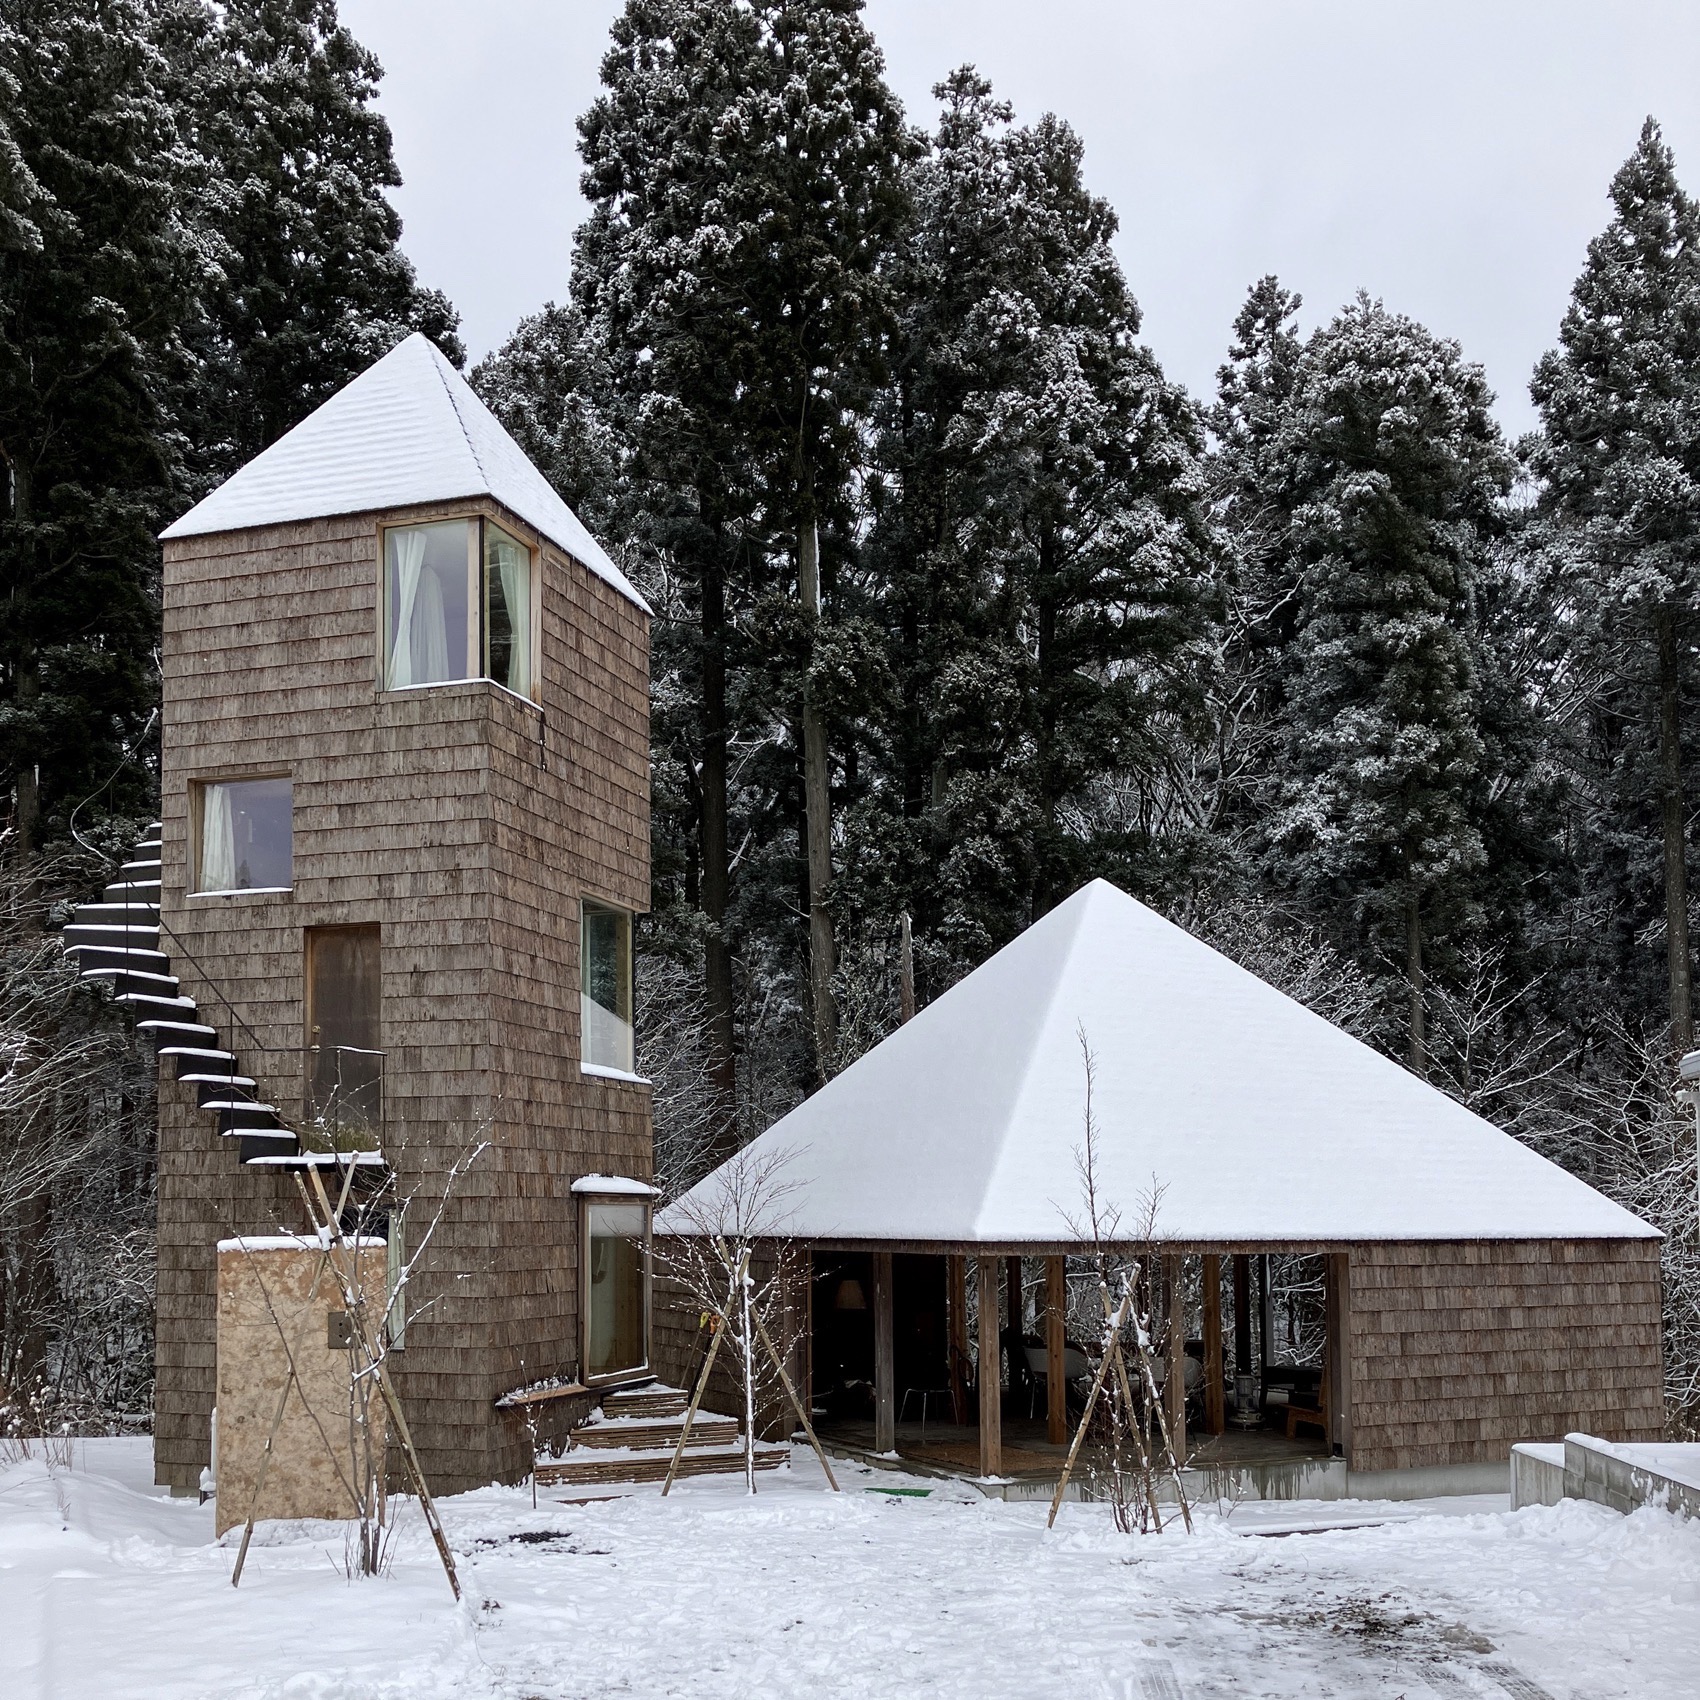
(218, 840)
(409, 555)
(516, 593)
(431, 635)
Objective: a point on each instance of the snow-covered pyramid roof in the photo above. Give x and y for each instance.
(408, 429)
(1259, 1120)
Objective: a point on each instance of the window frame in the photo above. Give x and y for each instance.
(589, 1195)
(602, 1070)
(477, 661)
(199, 785)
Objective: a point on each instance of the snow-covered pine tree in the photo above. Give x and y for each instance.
(98, 269)
(743, 170)
(1394, 469)
(1042, 525)
(1619, 450)
(312, 285)
(1253, 506)
(543, 385)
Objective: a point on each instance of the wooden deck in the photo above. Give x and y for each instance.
(950, 1449)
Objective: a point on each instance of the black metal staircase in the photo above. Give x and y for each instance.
(118, 940)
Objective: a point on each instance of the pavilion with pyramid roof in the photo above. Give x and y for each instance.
(1408, 1289)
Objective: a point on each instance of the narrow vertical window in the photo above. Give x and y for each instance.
(507, 610)
(616, 1287)
(246, 836)
(344, 1055)
(395, 1271)
(429, 635)
(605, 980)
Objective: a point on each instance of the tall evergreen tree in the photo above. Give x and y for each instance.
(543, 384)
(743, 170)
(99, 269)
(1392, 468)
(1620, 452)
(312, 286)
(1040, 522)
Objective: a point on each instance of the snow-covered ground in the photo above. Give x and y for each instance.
(109, 1590)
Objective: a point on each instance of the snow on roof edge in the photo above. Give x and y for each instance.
(306, 473)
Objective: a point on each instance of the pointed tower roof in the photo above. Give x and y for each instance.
(408, 429)
(1257, 1119)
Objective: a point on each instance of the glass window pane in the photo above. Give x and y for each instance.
(246, 839)
(616, 1235)
(605, 957)
(507, 602)
(425, 610)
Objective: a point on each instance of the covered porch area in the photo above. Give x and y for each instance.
(1248, 1361)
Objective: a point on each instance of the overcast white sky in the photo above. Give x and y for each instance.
(1451, 156)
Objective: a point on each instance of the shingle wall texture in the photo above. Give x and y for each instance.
(467, 823)
(1458, 1350)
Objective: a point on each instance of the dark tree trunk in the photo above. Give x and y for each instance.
(26, 818)
(817, 808)
(1416, 979)
(1675, 834)
(716, 873)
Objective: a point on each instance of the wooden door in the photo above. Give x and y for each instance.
(344, 1039)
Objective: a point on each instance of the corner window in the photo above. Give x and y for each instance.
(616, 1287)
(605, 987)
(457, 605)
(245, 836)
(507, 610)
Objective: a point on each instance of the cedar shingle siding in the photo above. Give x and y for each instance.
(467, 823)
(1458, 1350)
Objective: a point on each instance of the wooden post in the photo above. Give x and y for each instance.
(1056, 1382)
(1242, 1315)
(1174, 1270)
(1336, 1355)
(885, 1359)
(1215, 1403)
(988, 1373)
(956, 1279)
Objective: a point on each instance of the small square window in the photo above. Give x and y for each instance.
(246, 836)
(605, 985)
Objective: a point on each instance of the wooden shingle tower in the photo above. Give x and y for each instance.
(404, 831)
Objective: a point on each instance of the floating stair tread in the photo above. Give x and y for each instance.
(196, 1051)
(155, 998)
(105, 971)
(322, 1159)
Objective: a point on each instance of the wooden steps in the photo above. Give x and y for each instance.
(587, 1470)
(633, 1438)
(635, 1434)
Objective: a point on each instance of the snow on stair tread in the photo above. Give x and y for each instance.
(652, 1464)
(634, 1431)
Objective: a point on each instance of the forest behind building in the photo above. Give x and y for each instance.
(959, 601)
